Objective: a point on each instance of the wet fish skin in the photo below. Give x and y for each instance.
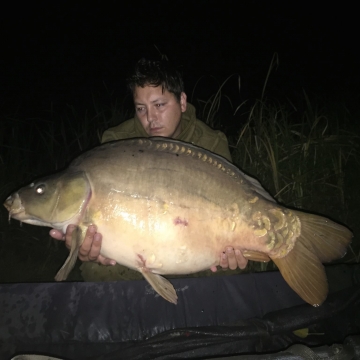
(168, 207)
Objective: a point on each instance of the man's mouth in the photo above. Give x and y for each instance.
(155, 129)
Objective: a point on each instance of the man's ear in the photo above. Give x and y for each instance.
(183, 102)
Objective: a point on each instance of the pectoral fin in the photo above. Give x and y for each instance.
(255, 256)
(162, 286)
(69, 263)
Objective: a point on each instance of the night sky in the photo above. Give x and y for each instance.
(63, 51)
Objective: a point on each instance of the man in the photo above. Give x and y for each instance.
(161, 109)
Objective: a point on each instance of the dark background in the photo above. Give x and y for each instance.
(63, 66)
(65, 51)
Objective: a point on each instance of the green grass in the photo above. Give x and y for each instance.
(297, 156)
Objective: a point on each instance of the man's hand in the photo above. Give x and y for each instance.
(90, 248)
(232, 259)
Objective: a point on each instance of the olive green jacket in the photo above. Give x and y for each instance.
(192, 130)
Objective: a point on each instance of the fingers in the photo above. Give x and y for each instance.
(240, 259)
(105, 261)
(91, 246)
(56, 234)
(224, 263)
(69, 231)
(94, 253)
(232, 259)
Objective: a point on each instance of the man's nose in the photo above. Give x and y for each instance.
(151, 114)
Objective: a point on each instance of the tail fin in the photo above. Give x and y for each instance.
(327, 239)
(321, 240)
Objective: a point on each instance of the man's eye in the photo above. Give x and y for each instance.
(159, 105)
(139, 109)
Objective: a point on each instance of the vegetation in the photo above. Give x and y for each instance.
(305, 152)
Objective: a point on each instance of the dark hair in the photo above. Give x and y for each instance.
(156, 73)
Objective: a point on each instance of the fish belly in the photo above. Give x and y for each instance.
(167, 238)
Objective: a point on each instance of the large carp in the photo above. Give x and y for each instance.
(168, 207)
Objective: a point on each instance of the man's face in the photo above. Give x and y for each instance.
(159, 112)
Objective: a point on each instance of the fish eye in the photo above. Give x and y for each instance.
(40, 189)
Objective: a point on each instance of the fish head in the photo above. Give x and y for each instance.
(54, 201)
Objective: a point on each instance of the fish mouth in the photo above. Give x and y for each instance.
(15, 207)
